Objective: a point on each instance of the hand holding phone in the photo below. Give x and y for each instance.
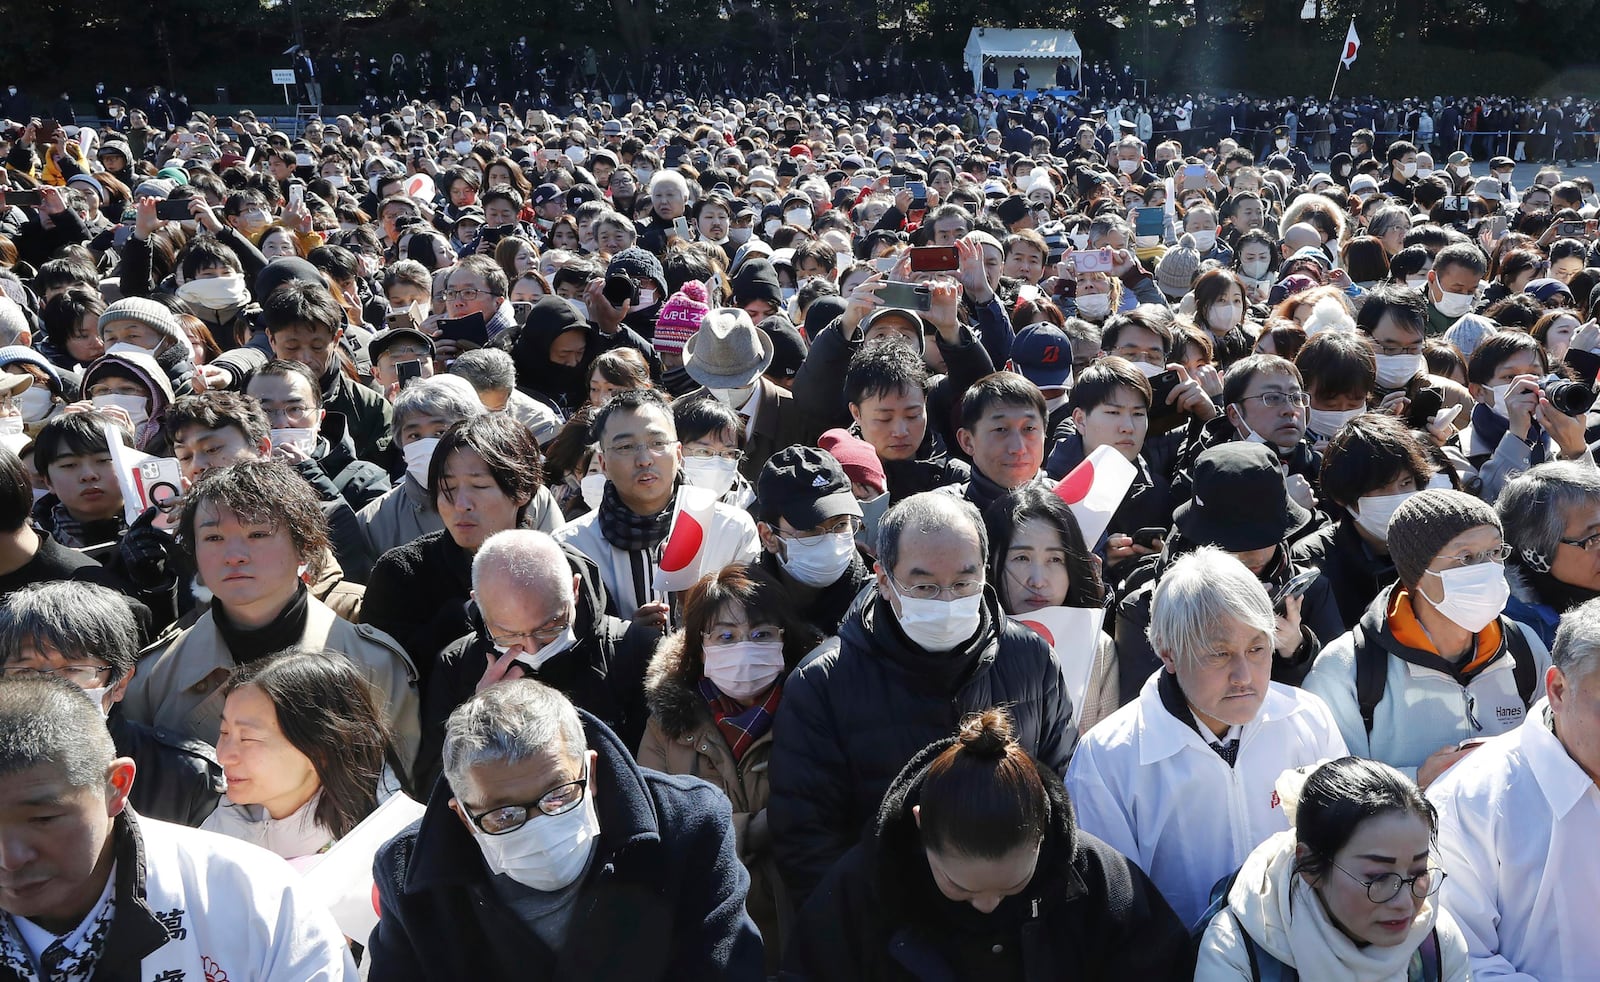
(1092, 260)
(935, 259)
(906, 296)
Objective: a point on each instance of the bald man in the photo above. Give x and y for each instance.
(538, 610)
(1298, 236)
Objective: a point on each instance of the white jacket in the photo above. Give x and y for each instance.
(230, 911)
(1280, 912)
(1519, 821)
(1146, 783)
(730, 538)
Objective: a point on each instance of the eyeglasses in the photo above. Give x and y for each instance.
(1587, 543)
(1391, 349)
(544, 633)
(1277, 400)
(706, 453)
(508, 818)
(1382, 889)
(469, 294)
(656, 448)
(959, 590)
(715, 639)
(1498, 554)
(83, 676)
(843, 525)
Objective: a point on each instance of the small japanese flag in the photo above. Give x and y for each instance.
(1352, 44)
(684, 553)
(1073, 634)
(1095, 488)
(342, 876)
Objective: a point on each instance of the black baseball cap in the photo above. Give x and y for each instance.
(384, 340)
(805, 486)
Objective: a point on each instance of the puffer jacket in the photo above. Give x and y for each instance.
(852, 718)
(1087, 913)
(1353, 570)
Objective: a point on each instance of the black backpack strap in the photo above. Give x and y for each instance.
(1372, 675)
(1522, 666)
(1427, 963)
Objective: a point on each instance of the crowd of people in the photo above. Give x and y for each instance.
(751, 539)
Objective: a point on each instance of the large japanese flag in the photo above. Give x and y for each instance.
(342, 876)
(1352, 44)
(1095, 488)
(1073, 634)
(683, 556)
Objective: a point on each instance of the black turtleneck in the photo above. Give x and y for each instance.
(284, 631)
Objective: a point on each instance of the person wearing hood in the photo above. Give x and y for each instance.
(1434, 666)
(976, 868)
(555, 347)
(929, 641)
(127, 380)
(484, 478)
(1550, 514)
(728, 357)
(1350, 892)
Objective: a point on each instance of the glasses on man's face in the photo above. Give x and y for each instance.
(656, 448)
(1399, 349)
(508, 818)
(706, 453)
(83, 676)
(1274, 399)
(543, 634)
(471, 293)
(959, 590)
(1498, 554)
(1382, 889)
(842, 525)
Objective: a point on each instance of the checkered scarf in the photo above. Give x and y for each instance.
(69, 958)
(741, 727)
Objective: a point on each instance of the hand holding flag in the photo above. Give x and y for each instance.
(1095, 488)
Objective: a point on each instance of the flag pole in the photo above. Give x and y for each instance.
(1336, 70)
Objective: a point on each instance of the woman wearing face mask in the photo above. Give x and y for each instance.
(1433, 663)
(484, 476)
(712, 439)
(1096, 298)
(715, 689)
(304, 748)
(975, 868)
(1514, 425)
(131, 382)
(46, 396)
(1256, 263)
(1220, 309)
(1351, 892)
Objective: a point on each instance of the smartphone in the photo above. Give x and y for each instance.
(548, 154)
(919, 194)
(174, 211)
(408, 371)
(521, 309)
(680, 228)
(906, 296)
(1149, 221)
(23, 198)
(861, 181)
(1149, 537)
(1161, 386)
(935, 259)
(1497, 226)
(620, 289)
(1572, 230)
(1297, 586)
(494, 233)
(1424, 404)
(1093, 260)
(1194, 177)
(469, 328)
(297, 194)
(897, 181)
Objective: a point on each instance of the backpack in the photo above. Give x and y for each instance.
(1372, 669)
(1427, 964)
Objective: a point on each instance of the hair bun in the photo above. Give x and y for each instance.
(987, 734)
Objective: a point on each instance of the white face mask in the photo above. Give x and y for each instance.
(1127, 166)
(819, 561)
(716, 474)
(744, 669)
(798, 216)
(463, 147)
(1250, 436)
(1095, 304)
(771, 226)
(1462, 171)
(536, 659)
(134, 406)
(1374, 512)
(1056, 402)
(98, 697)
(593, 489)
(549, 852)
(1409, 170)
(1327, 422)
(10, 425)
(739, 236)
(35, 403)
(1255, 269)
(216, 293)
(1282, 144)
(1417, 282)
(734, 399)
(418, 455)
(129, 348)
(647, 298)
(939, 625)
(1454, 304)
(335, 181)
(1499, 393)
(303, 438)
(1147, 370)
(1223, 317)
(1423, 173)
(1204, 240)
(1396, 370)
(1473, 595)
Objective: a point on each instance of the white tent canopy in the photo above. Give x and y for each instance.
(1039, 50)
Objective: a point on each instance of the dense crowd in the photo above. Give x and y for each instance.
(749, 539)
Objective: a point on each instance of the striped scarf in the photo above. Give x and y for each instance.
(741, 727)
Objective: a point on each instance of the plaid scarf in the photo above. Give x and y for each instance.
(628, 531)
(79, 535)
(69, 958)
(741, 727)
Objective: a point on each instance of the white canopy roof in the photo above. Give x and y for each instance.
(1007, 43)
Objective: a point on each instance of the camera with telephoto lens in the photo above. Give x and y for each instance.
(1568, 397)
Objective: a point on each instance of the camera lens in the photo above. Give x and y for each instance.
(1568, 397)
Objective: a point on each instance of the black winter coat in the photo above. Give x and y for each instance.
(179, 781)
(663, 897)
(1088, 912)
(852, 717)
(823, 609)
(1354, 572)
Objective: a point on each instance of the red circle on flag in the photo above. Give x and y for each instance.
(1349, 49)
(1075, 486)
(1042, 631)
(683, 544)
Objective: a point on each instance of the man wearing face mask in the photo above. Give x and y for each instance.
(1458, 271)
(538, 610)
(807, 517)
(728, 356)
(1401, 172)
(930, 644)
(545, 837)
(1434, 662)
(87, 634)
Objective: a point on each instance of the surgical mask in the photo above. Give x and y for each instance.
(335, 181)
(536, 659)
(1408, 170)
(1127, 166)
(744, 669)
(98, 697)
(1396, 370)
(1223, 316)
(821, 560)
(1500, 392)
(715, 474)
(798, 216)
(1204, 240)
(1250, 436)
(1094, 304)
(216, 293)
(1281, 144)
(593, 489)
(549, 852)
(1473, 595)
(302, 437)
(1327, 422)
(647, 298)
(1355, 151)
(1423, 173)
(35, 403)
(129, 348)
(1454, 304)
(418, 455)
(734, 398)
(134, 406)
(1373, 512)
(939, 625)
(463, 147)
(10, 425)
(739, 236)
(1146, 369)
(1417, 282)
(872, 510)
(1056, 402)
(1462, 171)
(1255, 269)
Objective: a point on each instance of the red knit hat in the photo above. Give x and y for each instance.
(856, 456)
(680, 316)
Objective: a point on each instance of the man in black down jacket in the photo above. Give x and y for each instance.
(598, 663)
(660, 895)
(1087, 912)
(929, 648)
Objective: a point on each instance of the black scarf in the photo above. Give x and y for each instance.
(629, 531)
(983, 492)
(945, 671)
(285, 630)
